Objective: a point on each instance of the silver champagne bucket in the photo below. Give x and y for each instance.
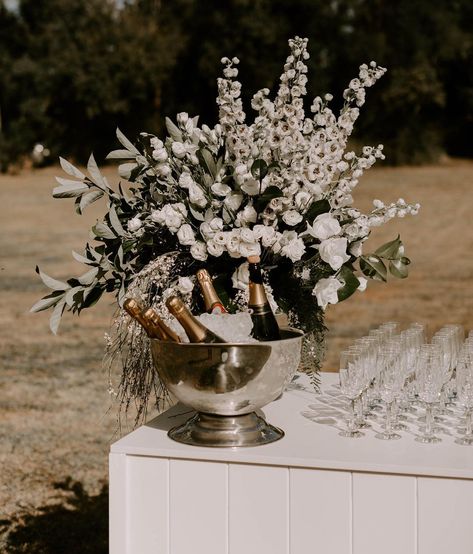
(227, 384)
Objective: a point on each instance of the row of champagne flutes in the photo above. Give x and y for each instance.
(400, 373)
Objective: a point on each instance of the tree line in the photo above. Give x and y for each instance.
(71, 71)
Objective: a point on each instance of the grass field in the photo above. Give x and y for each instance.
(55, 417)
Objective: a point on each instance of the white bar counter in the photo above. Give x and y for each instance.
(312, 492)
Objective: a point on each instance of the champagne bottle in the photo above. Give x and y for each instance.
(134, 309)
(213, 304)
(193, 328)
(265, 326)
(168, 334)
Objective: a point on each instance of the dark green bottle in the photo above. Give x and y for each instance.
(265, 326)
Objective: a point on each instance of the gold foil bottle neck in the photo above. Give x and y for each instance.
(209, 294)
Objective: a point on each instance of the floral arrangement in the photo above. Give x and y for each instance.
(279, 187)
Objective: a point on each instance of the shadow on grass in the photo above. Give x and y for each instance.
(80, 525)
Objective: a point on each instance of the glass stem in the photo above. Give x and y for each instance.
(428, 419)
(468, 431)
(351, 421)
(389, 416)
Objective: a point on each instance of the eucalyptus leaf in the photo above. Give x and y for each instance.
(351, 283)
(207, 161)
(125, 170)
(259, 169)
(70, 189)
(197, 215)
(55, 319)
(89, 198)
(45, 303)
(115, 221)
(53, 284)
(120, 155)
(373, 267)
(81, 259)
(173, 130)
(95, 175)
(70, 169)
(102, 230)
(89, 277)
(126, 143)
(69, 297)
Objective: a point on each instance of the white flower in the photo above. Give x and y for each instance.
(220, 237)
(251, 186)
(291, 217)
(160, 154)
(241, 277)
(214, 248)
(363, 283)
(233, 201)
(249, 248)
(178, 149)
(171, 215)
(185, 180)
(324, 227)
(334, 252)
(247, 215)
(326, 291)
(186, 235)
(196, 195)
(356, 248)
(266, 233)
(185, 285)
(134, 224)
(220, 189)
(199, 251)
(293, 247)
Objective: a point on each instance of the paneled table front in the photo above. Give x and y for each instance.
(313, 492)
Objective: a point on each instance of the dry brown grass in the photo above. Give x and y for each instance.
(53, 417)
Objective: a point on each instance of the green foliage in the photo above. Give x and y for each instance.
(74, 69)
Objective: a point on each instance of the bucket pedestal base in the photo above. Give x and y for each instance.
(226, 431)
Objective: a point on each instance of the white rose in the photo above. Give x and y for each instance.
(363, 284)
(356, 248)
(334, 252)
(324, 227)
(291, 217)
(241, 277)
(186, 235)
(249, 248)
(294, 249)
(178, 149)
(247, 235)
(206, 231)
(215, 249)
(157, 217)
(216, 224)
(326, 291)
(199, 251)
(134, 224)
(220, 189)
(185, 285)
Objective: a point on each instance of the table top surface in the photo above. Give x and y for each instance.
(312, 423)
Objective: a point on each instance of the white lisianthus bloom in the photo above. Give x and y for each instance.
(186, 235)
(220, 238)
(185, 285)
(363, 284)
(134, 224)
(206, 231)
(185, 180)
(171, 215)
(220, 189)
(214, 248)
(302, 199)
(247, 215)
(241, 277)
(249, 248)
(160, 154)
(182, 118)
(196, 195)
(233, 244)
(266, 233)
(251, 186)
(291, 217)
(178, 149)
(199, 251)
(334, 252)
(233, 201)
(326, 291)
(216, 224)
(356, 248)
(324, 227)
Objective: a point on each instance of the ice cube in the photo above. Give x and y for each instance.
(231, 327)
